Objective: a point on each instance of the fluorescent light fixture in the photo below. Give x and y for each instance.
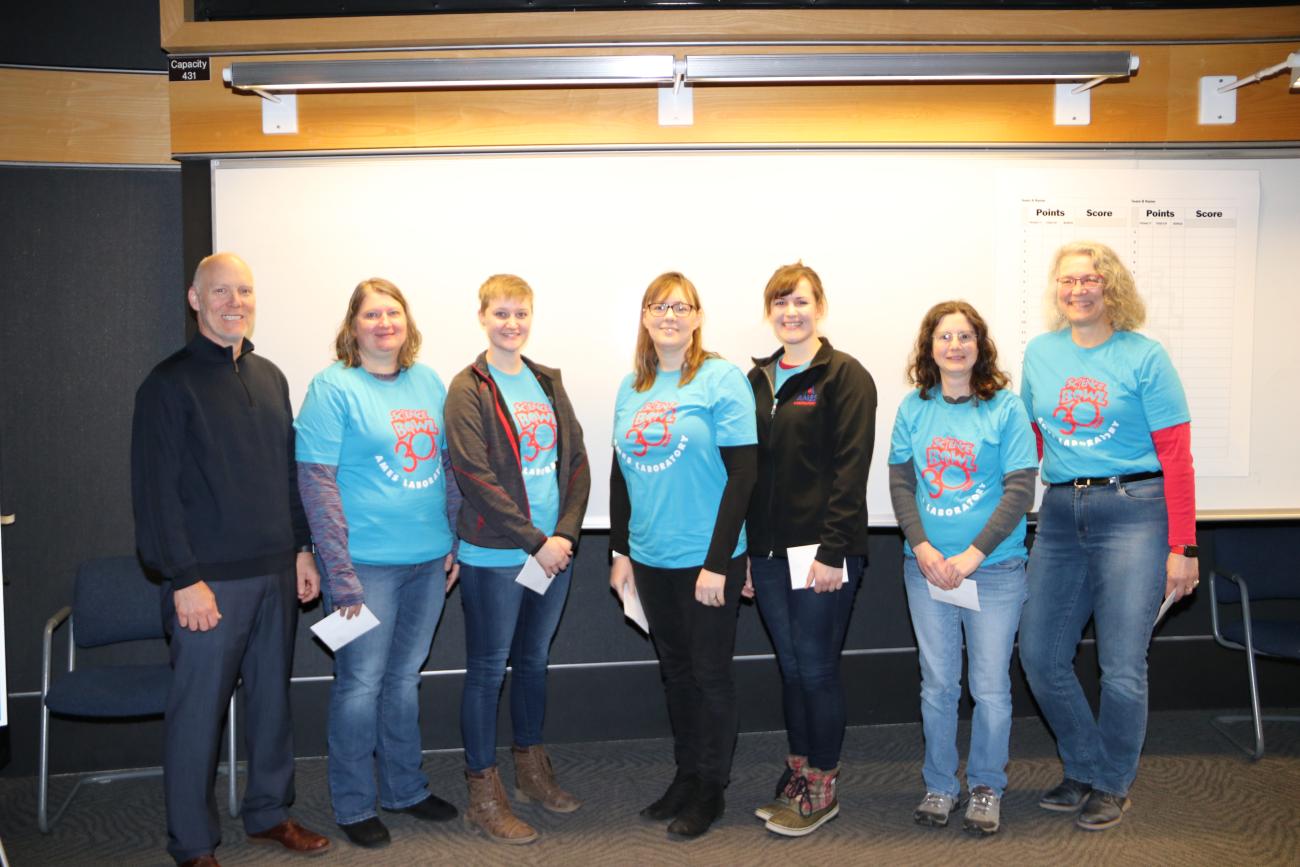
(928, 66)
(297, 76)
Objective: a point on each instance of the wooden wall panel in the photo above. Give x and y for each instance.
(1159, 104)
(84, 117)
(181, 35)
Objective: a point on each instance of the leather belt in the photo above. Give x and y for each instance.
(1103, 481)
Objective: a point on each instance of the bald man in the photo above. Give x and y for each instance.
(217, 513)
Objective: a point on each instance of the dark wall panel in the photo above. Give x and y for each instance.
(86, 34)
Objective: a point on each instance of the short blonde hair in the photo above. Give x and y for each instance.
(345, 342)
(1125, 309)
(507, 287)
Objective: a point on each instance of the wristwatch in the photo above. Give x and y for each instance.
(307, 549)
(1185, 550)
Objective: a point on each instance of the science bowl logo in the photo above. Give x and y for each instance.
(536, 428)
(652, 425)
(1080, 404)
(417, 436)
(949, 464)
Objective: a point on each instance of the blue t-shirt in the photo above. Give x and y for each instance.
(386, 438)
(960, 452)
(667, 440)
(1096, 408)
(783, 373)
(534, 421)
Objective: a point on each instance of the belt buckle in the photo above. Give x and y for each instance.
(1082, 483)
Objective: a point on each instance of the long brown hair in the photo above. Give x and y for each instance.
(345, 342)
(922, 370)
(645, 364)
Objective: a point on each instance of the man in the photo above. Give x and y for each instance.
(217, 513)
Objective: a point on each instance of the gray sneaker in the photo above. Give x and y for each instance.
(934, 809)
(983, 812)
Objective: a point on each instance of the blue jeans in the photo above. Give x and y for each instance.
(374, 705)
(1099, 553)
(505, 620)
(807, 631)
(990, 634)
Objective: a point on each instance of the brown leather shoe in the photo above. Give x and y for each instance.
(535, 781)
(293, 837)
(201, 861)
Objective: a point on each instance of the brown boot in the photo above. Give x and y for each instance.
(489, 811)
(535, 781)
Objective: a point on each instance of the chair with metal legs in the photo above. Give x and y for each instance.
(1258, 574)
(113, 602)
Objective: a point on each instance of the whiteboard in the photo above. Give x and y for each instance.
(890, 234)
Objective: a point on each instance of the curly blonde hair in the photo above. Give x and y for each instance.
(1125, 309)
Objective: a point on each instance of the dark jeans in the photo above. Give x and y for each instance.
(254, 640)
(505, 619)
(807, 631)
(695, 644)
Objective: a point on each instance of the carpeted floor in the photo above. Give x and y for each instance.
(1196, 801)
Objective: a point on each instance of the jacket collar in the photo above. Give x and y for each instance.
(822, 357)
(205, 350)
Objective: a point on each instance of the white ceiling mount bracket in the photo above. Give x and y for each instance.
(280, 115)
(677, 102)
(1214, 107)
(1073, 106)
(677, 105)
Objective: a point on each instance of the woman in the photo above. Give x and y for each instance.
(517, 451)
(1117, 527)
(961, 478)
(372, 468)
(816, 413)
(684, 446)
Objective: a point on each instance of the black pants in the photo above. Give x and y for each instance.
(253, 640)
(695, 644)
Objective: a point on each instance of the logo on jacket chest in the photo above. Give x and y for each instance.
(807, 397)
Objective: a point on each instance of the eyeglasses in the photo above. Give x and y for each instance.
(1087, 281)
(660, 309)
(959, 336)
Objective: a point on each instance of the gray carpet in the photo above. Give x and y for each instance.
(1196, 801)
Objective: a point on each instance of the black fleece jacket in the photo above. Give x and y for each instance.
(815, 439)
(213, 477)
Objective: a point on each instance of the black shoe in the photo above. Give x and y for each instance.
(431, 809)
(679, 793)
(1102, 810)
(700, 812)
(1067, 797)
(368, 833)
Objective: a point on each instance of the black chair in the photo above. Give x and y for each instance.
(112, 602)
(1258, 576)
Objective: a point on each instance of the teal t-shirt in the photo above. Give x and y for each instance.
(386, 438)
(667, 440)
(1096, 408)
(960, 452)
(534, 420)
(783, 373)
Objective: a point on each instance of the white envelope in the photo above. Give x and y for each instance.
(964, 595)
(1164, 608)
(336, 630)
(801, 559)
(533, 576)
(632, 609)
